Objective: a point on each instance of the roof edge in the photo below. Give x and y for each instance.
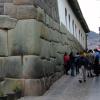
(77, 11)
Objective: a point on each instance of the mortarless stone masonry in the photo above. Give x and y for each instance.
(32, 44)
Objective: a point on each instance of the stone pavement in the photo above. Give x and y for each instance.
(68, 88)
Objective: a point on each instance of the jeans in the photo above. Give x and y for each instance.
(72, 69)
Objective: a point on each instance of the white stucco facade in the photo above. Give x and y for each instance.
(68, 18)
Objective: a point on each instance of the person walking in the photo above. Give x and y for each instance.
(96, 62)
(72, 64)
(83, 66)
(90, 58)
(77, 57)
(66, 63)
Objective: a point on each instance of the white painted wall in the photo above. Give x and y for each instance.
(62, 4)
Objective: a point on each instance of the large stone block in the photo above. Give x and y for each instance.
(56, 26)
(59, 59)
(51, 22)
(3, 43)
(47, 20)
(11, 67)
(45, 49)
(6, 1)
(32, 67)
(52, 50)
(53, 64)
(1, 8)
(26, 12)
(25, 38)
(54, 36)
(9, 84)
(30, 87)
(48, 69)
(44, 32)
(6, 22)
(2, 68)
(23, 2)
(61, 48)
(33, 87)
(59, 68)
(64, 39)
(10, 9)
(63, 29)
(41, 15)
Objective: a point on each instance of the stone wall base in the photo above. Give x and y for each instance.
(30, 87)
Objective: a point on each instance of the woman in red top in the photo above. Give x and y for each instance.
(66, 63)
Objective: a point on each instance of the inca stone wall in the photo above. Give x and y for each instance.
(32, 44)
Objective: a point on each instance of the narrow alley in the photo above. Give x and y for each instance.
(68, 88)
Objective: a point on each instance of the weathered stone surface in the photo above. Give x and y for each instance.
(6, 22)
(59, 68)
(2, 68)
(48, 69)
(33, 87)
(53, 64)
(11, 67)
(45, 49)
(61, 48)
(52, 50)
(59, 59)
(64, 39)
(44, 32)
(6, 1)
(1, 8)
(63, 29)
(26, 12)
(54, 35)
(9, 84)
(51, 22)
(25, 38)
(67, 49)
(56, 26)
(47, 20)
(3, 43)
(32, 67)
(10, 9)
(50, 7)
(30, 87)
(41, 15)
(23, 2)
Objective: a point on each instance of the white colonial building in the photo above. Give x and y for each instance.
(71, 16)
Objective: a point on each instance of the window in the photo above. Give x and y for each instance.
(66, 16)
(75, 30)
(69, 20)
(73, 26)
(79, 35)
(81, 38)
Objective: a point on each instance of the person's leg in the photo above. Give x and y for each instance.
(64, 68)
(72, 69)
(77, 69)
(80, 76)
(84, 73)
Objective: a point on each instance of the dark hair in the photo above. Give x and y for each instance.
(65, 53)
(77, 53)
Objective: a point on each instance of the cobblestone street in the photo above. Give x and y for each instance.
(68, 88)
